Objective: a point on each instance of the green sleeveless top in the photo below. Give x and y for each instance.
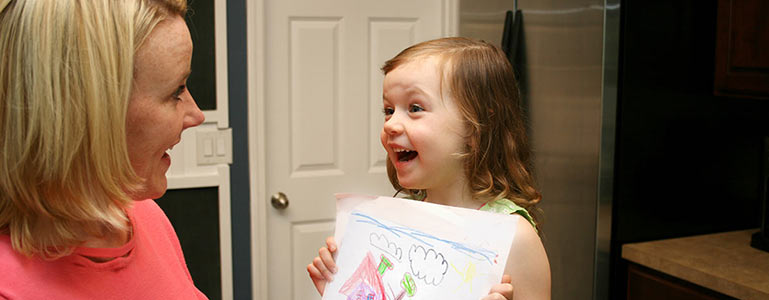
(502, 206)
(505, 206)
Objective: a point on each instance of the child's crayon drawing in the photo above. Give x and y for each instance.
(427, 265)
(468, 274)
(365, 283)
(381, 243)
(380, 259)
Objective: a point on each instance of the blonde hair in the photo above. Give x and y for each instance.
(497, 161)
(65, 82)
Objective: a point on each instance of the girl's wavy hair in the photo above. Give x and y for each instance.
(66, 75)
(480, 79)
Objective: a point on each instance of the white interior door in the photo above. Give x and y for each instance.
(316, 102)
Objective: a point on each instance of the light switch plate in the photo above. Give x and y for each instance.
(214, 146)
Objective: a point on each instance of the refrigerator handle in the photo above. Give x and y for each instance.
(511, 35)
(512, 45)
(506, 33)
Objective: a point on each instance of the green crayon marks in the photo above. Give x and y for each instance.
(408, 284)
(384, 265)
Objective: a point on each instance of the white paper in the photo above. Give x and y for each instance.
(392, 248)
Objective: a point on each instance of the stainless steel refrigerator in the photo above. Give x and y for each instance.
(567, 64)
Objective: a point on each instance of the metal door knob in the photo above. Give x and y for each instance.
(279, 200)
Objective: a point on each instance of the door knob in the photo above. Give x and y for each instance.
(279, 200)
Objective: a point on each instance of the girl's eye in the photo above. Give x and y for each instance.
(388, 111)
(416, 108)
(179, 91)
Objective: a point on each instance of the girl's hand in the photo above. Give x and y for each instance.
(502, 291)
(323, 266)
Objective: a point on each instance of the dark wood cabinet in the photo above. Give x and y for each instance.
(742, 49)
(644, 283)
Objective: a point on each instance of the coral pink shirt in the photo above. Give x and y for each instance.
(150, 266)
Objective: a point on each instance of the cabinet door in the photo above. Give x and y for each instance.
(742, 40)
(644, 283)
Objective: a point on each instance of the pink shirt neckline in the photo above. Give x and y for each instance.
(122, 255)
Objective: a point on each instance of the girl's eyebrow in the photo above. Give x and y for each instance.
(414, 89)
(410, 91)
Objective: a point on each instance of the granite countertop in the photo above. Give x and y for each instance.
(722, 262)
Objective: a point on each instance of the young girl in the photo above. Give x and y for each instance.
(455, 135)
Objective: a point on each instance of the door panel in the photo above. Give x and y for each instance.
(305, 244)
(322, 117)
(313, 96)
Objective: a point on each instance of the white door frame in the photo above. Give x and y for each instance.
(256, 149)
(255, 35)
(187, 172)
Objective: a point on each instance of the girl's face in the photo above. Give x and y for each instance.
(423, 130)
(160, 106)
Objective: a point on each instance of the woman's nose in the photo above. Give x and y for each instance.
(193, 116)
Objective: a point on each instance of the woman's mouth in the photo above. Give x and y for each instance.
(166, 155)
(169, 150)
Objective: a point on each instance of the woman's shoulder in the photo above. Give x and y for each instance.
(147, 206)
(148, 212)
(151, 222)
(10, 260)
(149, 215)
(18, 271)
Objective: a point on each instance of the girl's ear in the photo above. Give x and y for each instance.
(472, 143)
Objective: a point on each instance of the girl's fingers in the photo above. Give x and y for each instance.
(503, 290)
(314, 272)
(328, 260)
(322, 268)
(331, 244)
(507, 279)
(494, 296)
(317, 278)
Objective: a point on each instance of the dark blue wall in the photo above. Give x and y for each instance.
(239, 176)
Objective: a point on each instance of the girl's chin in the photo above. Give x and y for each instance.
(407, 184)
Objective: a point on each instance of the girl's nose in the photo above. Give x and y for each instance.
(193, 116)
(393, 126)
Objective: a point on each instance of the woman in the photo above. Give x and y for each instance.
(93, 94)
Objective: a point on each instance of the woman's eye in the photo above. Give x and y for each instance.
(388, 111)
(179, 91)
(416, 108)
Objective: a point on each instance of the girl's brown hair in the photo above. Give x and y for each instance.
(481, 80)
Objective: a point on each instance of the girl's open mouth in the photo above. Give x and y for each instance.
(406, 155)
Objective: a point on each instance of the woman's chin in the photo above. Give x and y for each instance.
(154, 190)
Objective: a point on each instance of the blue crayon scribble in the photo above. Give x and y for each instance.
(479, 254)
